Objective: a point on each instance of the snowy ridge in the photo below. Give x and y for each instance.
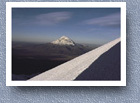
(71, 69)
(63, 41)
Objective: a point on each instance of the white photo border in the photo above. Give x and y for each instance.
(10, 5)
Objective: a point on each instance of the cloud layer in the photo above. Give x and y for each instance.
(109, 20)
(52, 18)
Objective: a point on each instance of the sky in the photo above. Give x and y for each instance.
(82, 25)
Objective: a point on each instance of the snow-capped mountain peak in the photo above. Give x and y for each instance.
(63, 41)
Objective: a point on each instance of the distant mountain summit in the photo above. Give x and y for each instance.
(63, 41)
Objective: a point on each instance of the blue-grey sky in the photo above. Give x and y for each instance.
(82, 25)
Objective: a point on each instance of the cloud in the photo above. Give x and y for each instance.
(109, 20)
(52, 18)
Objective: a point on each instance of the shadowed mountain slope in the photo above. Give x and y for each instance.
(106, 67)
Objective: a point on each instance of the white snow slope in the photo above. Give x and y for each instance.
(71, 69)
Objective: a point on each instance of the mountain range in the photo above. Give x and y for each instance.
(30, 59)
(62, 48)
